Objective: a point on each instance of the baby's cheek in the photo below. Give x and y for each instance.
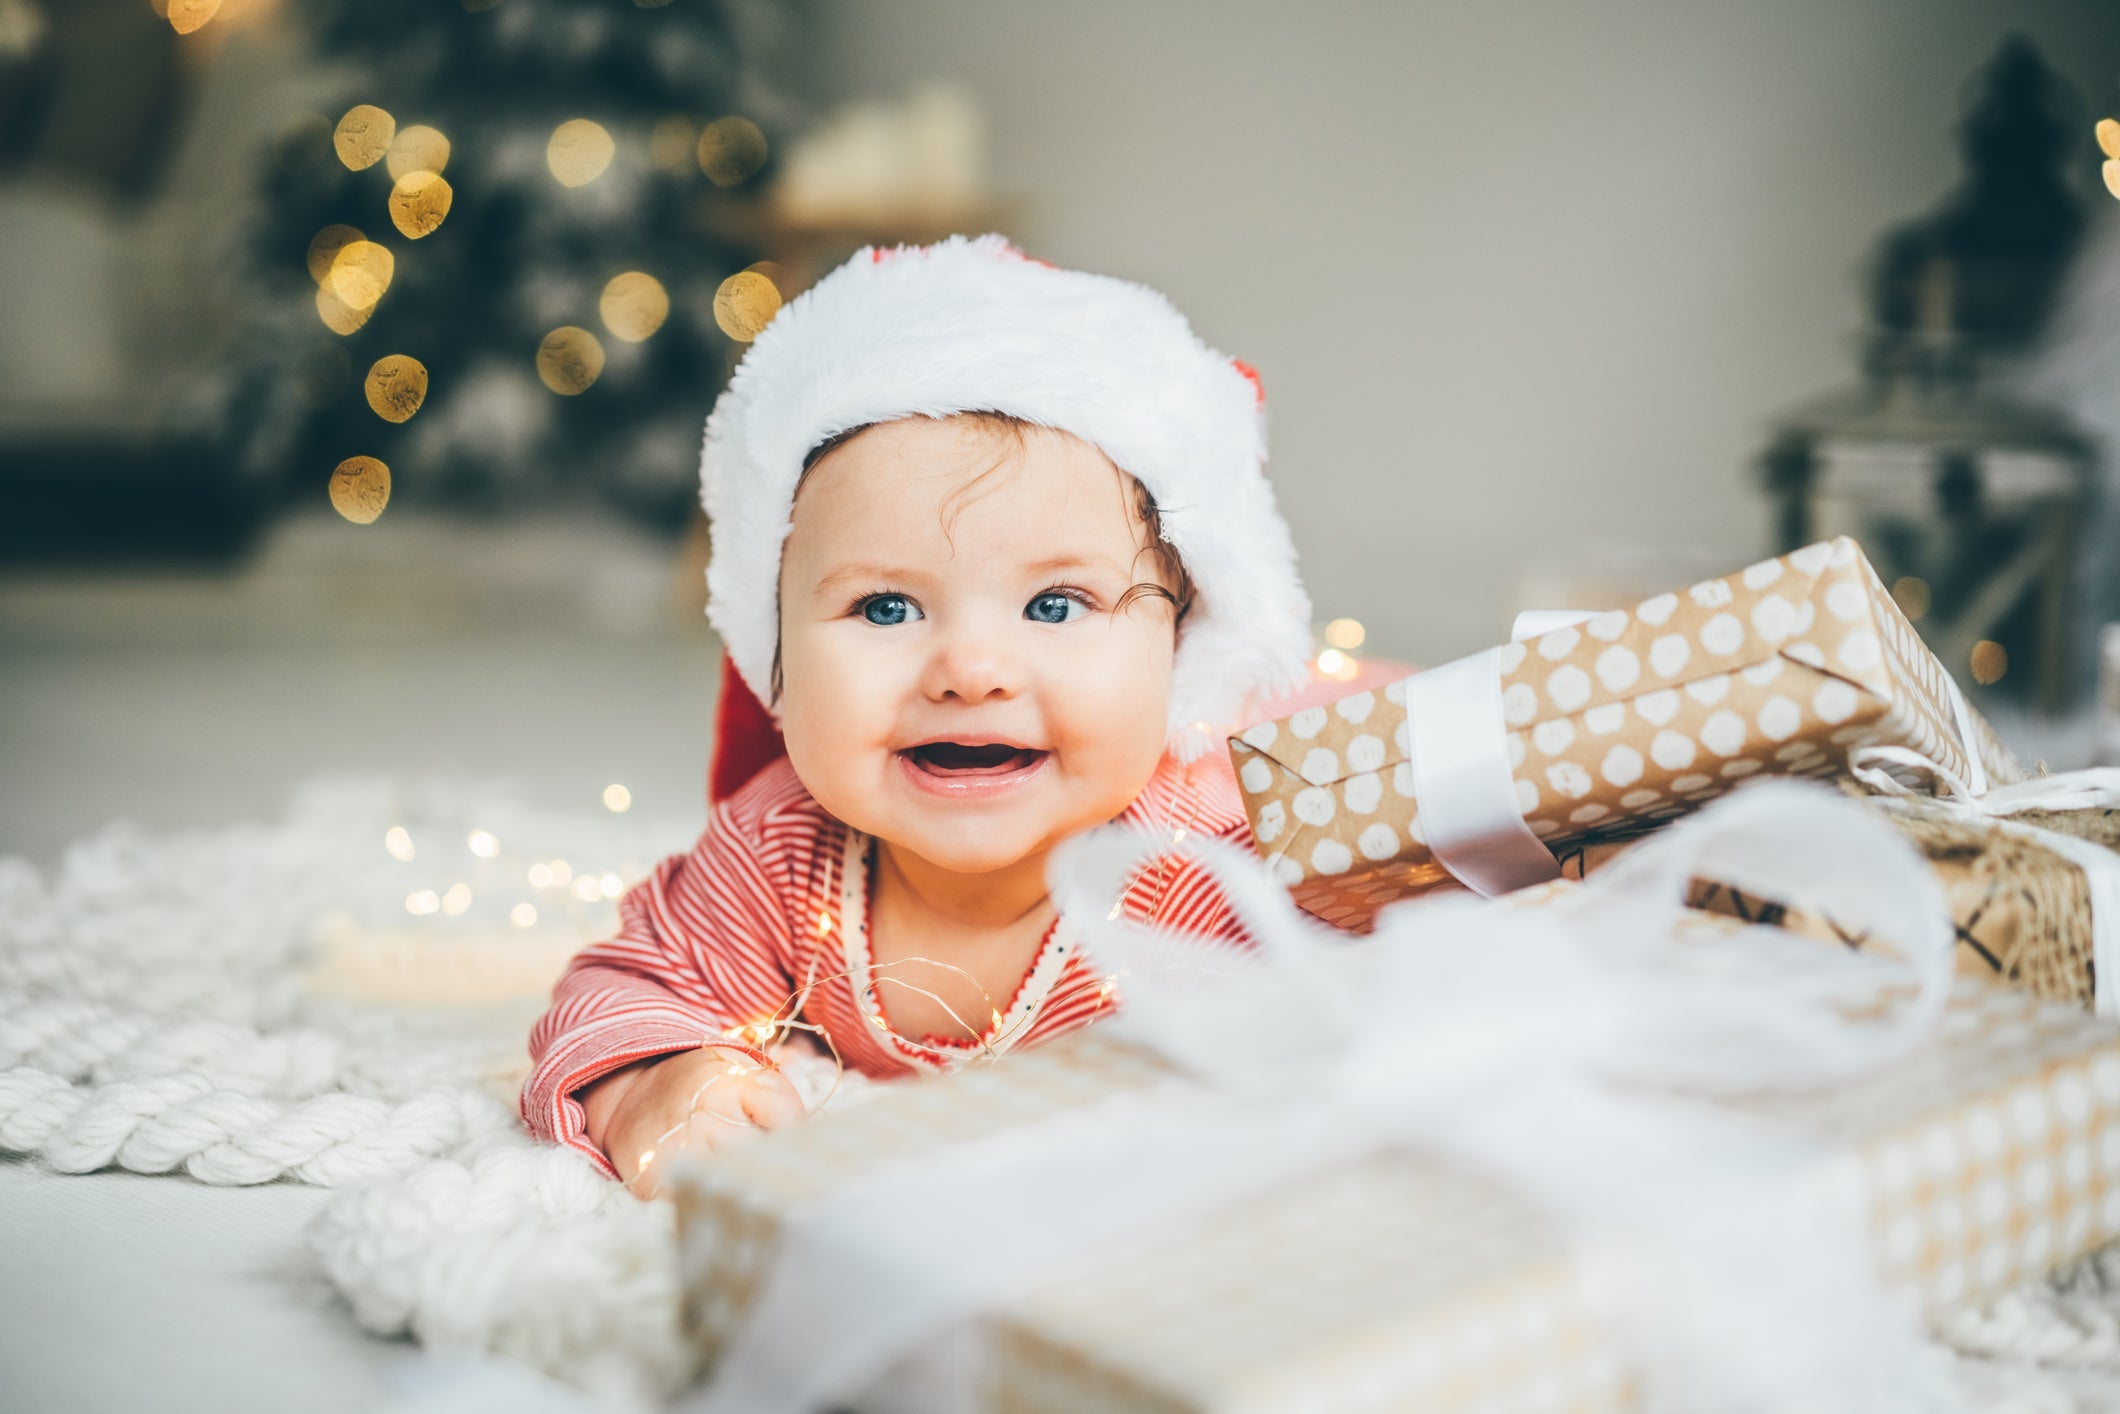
(1117, 715)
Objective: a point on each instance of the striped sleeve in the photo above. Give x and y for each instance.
(700, 949)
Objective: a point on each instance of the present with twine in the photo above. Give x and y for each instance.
(1603, 728)
(2031, 874)
(1586, 1149)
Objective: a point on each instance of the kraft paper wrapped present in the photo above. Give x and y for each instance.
(1984, 1154)
(2031, 874)
(1990, 1157)
(1610, 728)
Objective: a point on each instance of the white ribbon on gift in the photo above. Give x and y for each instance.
(1457, 746)
(1734, 1261)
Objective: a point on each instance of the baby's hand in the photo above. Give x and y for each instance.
(702, 1100)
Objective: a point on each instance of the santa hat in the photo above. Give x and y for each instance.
(975, 326)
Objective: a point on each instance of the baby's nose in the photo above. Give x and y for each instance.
(972, 664)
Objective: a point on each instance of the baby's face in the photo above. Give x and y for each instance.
(958, 678)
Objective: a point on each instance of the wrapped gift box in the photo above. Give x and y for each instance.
(1988, 1157)
(2023, 911)
(1617, 725)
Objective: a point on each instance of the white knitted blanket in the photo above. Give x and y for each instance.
(250, 1005)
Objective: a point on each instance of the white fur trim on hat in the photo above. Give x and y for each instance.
(974, 326)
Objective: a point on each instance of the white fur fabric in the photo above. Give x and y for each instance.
(973, 326)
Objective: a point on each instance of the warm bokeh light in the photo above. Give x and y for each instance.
(187, 16)
(399, 842)
(617, 799)
(424, 902)
(1912, 596)
(456, 900)
(671, 143)
(586, 890)
(579, 151)
(1334, 664)
(396, 386)
(363, 136)
(523, 915)
(361, 272)
(1990, 661)
(418, 148)
(482, 843)
(611, 885)
(634, 305)
(419, 202)
(360, 488)
(2109, 136)
(731, 150)
(569, 360)
(2112, 176)
(745, 304)
(338, 316)
(1345, 633)
(325, 246)
(562, 871)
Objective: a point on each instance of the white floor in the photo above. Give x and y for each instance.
(560, 655)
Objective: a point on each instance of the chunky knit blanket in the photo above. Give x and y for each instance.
(251, 1005)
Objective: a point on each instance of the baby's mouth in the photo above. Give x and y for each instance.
(958, 760)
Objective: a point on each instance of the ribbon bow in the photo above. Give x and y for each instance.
(1732, 1259)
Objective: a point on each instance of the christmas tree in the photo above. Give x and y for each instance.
(494, 277)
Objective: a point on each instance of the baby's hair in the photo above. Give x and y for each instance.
(1000, 424)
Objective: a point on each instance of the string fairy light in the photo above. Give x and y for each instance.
(634, 305)
(419, 202)
(396, 386)
(418, 148)
(361, 272)
(363, 136)
(745, 303)
(569, 359)
(360, 489)
(188, 16)
(324, 248)
(781, 1027)
(578, 152)
(338, 316)
(731, 150)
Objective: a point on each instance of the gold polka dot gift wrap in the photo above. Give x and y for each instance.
(1987, 1157)
(1618, 725)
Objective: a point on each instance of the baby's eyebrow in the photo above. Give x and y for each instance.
(1058, 564)
(873, 574)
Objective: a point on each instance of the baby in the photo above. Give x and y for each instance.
(994, 547)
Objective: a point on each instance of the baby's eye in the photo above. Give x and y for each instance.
(1054, 607)
(889, 609)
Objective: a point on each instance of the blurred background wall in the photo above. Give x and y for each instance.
(1532, 287)
(1519, 276)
